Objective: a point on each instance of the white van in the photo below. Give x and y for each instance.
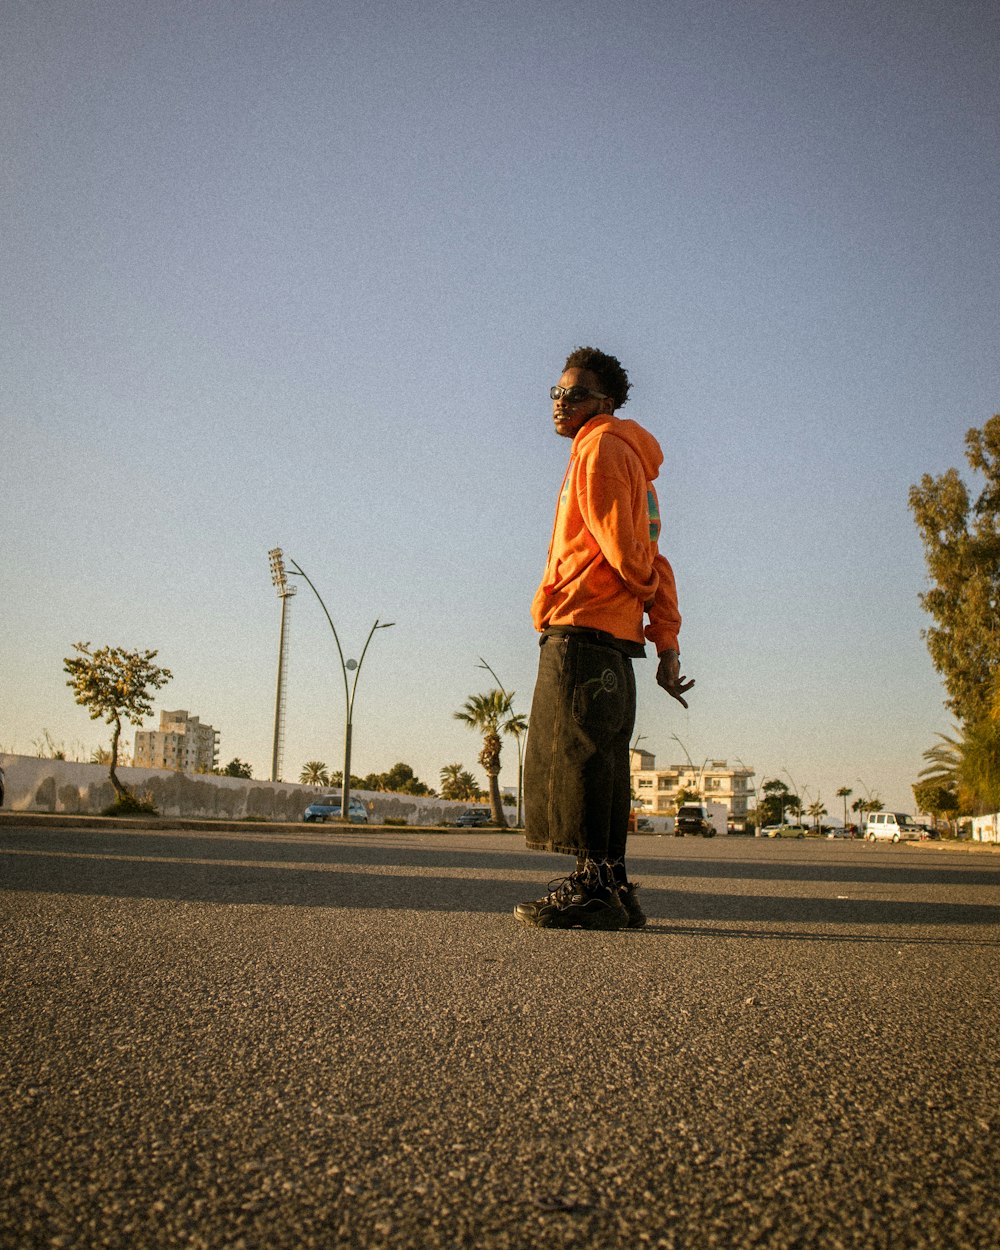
(892, 827)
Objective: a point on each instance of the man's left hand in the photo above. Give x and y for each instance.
(668, 675)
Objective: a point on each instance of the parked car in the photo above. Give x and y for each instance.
(784, 831)
(474, 818)
(838, 831)
(329, 807)
(694, 818)
(892, 827)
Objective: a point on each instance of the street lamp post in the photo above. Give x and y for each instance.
(866, 805)
(795, 791)
(685, 750)
(756, 796)
(634, 798)
(695, 771)
(350, 691)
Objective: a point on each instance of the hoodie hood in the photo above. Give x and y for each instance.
(641, 441)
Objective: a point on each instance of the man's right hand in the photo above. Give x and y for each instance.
(668, 675)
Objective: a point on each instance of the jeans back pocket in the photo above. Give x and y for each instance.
(599, 689)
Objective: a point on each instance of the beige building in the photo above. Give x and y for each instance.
(182, 743)
(715, 781)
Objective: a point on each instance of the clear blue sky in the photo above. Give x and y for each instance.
(301, 274)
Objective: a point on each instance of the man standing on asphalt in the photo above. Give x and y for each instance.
(603, 577)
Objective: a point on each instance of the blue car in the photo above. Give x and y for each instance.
(328, 807)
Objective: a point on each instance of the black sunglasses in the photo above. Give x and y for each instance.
(574, 394)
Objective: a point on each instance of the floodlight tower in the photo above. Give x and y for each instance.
(285, 593)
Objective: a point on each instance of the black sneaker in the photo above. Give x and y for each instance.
(579, 901)
(629, 900)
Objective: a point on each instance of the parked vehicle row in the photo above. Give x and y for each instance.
(691, 819)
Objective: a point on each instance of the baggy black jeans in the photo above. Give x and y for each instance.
(577, 780)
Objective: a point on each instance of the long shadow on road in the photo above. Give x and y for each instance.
(480, 889)
(400, 851)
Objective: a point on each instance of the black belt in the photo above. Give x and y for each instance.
(598, 637)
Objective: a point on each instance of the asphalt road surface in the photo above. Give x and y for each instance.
(327, 1039)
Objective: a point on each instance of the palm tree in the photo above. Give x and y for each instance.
(486, 713)
(968, 765)
(863, 807)
(314, 774)
(943, 762)
(816, 810)
(458, 783)
(845, 793)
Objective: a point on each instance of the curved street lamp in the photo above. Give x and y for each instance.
(346, 666)
(799, 794)
(685, 750)
(865, 805)
(756, 794)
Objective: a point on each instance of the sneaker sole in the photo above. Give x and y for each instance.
(606, 920)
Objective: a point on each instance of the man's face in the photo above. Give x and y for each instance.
(569, 417)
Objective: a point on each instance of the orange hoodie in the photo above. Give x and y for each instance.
(604, 567)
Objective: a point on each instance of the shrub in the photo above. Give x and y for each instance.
(129, 804)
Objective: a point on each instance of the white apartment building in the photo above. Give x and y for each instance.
(182, 743)
(715, 782)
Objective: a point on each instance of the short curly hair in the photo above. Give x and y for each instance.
(612, 374)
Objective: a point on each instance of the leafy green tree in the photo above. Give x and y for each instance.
(113, 683)
(776, 802)
(314, 773)
(962, 550)
(489, 714)
(845, 793)
(979, 774)
(237, 768)
(937, 799)
(400, 779)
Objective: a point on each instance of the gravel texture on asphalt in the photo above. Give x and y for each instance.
(333, 1039)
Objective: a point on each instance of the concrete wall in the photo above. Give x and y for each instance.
(41, 785)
